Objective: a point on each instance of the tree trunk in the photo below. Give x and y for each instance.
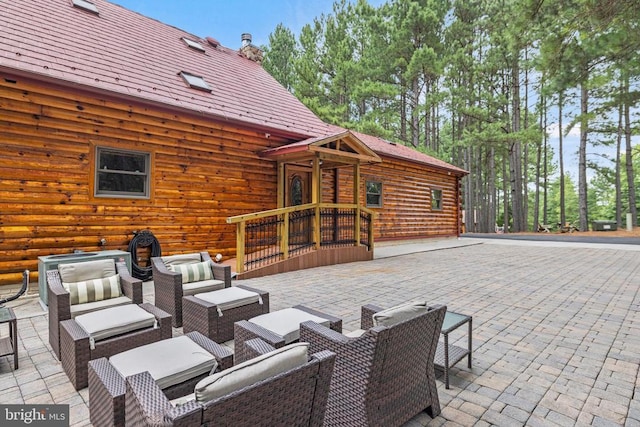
(563, 218)
(618, 169)
(582, 157)
(629, 157)
(515, 154)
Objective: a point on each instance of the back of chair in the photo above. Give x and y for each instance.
(384, 377)
(400, 371)
(297, 397)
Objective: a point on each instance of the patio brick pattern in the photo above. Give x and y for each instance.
(556, 337)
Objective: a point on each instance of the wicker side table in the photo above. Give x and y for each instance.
(447, 355)
(9, 345)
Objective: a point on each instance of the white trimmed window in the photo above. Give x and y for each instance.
(122, 173)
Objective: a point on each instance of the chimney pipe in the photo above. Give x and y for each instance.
(246, 39)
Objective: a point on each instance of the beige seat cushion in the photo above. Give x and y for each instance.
(87, 270)
(246, 373)
(103, 324)
(355, 334)
(170, 362)
(193, 288)
(400, 313)
(80, 309)
(93, 289)
(286, 323)
(229, 298)
(181, 259)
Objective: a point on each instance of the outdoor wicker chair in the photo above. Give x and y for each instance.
(384, 375)
(176, 276)
(63, 307)
(282, 387)
(177, 364)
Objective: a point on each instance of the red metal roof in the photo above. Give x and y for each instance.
(123, 52)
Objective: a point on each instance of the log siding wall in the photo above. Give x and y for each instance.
(406, 200)
(202, 171)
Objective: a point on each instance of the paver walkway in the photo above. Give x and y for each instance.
(556, 328)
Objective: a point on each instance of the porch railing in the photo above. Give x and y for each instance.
(269, 236)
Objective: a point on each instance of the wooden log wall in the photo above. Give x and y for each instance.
(201, 173)
(406, 199)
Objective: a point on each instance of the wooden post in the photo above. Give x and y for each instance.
(281, 185)
(356, 201)
(240, 233)
(316, 178)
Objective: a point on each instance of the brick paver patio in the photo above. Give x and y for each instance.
(556, 329)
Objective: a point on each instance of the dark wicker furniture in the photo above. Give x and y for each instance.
(202, 316)
(168, 285)
(245, 330)
(384, 377)
(107, 387)
(60, 306)
(76, 349)
(297, 397)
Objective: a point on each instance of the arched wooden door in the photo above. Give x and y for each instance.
(298, 192)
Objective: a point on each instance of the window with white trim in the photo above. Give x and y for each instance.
(122, 173)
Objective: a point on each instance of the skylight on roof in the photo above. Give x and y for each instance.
(86, 5)
(193, 44)
(195, 82)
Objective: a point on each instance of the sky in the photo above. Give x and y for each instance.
(226, 20)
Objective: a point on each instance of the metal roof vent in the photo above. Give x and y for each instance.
(213, 42)
(86, 5)
(246, 39)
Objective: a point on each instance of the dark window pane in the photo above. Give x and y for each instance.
(374, 193)
(122, 162)
(110, 182)
(296, 191)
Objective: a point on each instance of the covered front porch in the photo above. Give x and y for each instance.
(312, 225)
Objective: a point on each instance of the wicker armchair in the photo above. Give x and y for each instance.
(385, 376)
(60, 307)
(295, 397)
(169, 287)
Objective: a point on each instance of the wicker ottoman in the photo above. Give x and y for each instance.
(278, 328)
(176, 364)
(82, 339)
(214, 313)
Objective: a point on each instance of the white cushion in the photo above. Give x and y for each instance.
(253, 370)
(286, 323)
(203, 286)
(181, 259)
(79, 309)
(87, 270)
(93, 289)
(400, 313)
(194, 272)
(103, 324)
(355, 334)
(229, 298)
(170, 362)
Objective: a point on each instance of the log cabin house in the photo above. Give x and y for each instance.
(112, 122)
